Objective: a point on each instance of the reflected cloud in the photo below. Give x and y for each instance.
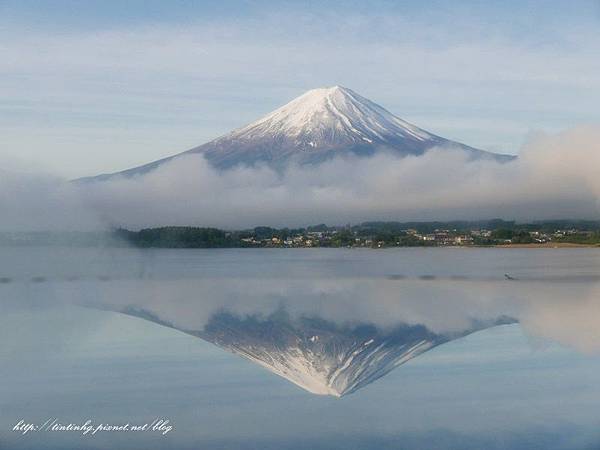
(330, 321)
(333, 337)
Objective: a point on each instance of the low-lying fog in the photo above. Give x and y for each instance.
(555, 176)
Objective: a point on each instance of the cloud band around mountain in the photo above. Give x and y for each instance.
(554, 177)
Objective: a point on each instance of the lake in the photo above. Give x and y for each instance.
(413, 348)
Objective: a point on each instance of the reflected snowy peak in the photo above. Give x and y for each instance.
(318, 355)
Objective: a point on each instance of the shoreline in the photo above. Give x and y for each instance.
(548, 245)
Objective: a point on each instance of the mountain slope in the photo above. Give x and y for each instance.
(315, 127)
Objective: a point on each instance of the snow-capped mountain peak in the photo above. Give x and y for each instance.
(331, 115)
(317, 126)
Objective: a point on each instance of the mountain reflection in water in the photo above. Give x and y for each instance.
(331, 322)
(318, 355)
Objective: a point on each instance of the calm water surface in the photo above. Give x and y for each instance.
(116, 336)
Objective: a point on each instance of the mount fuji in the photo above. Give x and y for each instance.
(315, 127)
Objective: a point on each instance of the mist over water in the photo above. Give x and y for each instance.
(554, 177)
(549, 180)
(554, 294)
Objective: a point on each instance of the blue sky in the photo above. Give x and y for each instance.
(95, 86)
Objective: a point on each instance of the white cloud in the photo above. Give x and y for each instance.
(555, 177)
(553, 309)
